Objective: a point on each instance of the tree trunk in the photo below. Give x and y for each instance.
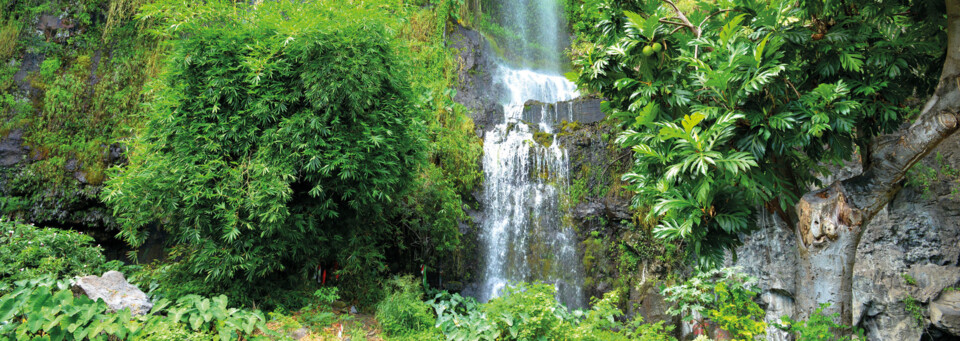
(832, 220)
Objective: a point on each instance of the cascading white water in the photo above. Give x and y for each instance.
(523, 236)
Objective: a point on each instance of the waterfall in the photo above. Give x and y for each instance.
(522, 234)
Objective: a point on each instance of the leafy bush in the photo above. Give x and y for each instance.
(28, 252)
(819, 327)
(601, 323)
(47, 308)
(531, 312)
(277, 141)
(725, 296)
(737, 313)
(206, 314)
(460, 319)
(403, 311)
(528, 311)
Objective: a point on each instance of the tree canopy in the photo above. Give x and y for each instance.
(734, 105)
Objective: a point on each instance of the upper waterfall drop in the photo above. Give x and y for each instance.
(523, 235)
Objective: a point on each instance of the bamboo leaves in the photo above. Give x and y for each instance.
(277, 126)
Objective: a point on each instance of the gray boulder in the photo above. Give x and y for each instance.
(113, 288)
(945, 312)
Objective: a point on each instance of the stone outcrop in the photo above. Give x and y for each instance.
(12, 150)
(113, 288)
(477, 90)
(909, 252)
(945, 312)
(584, 110)
(72, 197)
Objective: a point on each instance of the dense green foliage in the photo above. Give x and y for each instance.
(531, 312)
(741, 103)
(79, 107)
(725, 297)
(286, 135)
(279, 136)
(28, 252)
(403, 313)
(265, 130)
(818, 327)
(47, 309)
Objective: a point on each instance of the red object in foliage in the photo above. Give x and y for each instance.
(698, 328)
(324, 277)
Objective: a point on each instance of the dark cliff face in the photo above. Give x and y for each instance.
(38, 185)
(477, 90)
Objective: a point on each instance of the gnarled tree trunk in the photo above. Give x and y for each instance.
(832, 220)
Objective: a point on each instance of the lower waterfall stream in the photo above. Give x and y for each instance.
(523, 235)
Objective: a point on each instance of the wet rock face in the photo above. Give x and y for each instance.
(910, 251)
(73, 202)
(477, 90)
(770, 254)
(581, 110)
(12, 150)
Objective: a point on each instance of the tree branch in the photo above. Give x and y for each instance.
(831, 220)
(711, 16)
(892, 155)
(665, 21)
(683, 19)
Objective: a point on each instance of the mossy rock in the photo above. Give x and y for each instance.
(543, 139)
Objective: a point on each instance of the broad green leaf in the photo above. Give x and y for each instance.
(648, 114)
(758, 52)
(196, 321)
(690, 121)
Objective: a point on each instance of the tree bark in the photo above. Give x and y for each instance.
(832, 220)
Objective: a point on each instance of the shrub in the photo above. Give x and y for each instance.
(167, 330)
(724, 296)
(528, 311)
(48, 308)
(403, 312)
(819, 327)
(531, 312)
(736, 312)
(277, 140)
(602, 323)
(29, 252)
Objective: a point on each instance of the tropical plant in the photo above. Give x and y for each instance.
(528, 312)
(815, 83)
(533, 313)
(723, 102)
(47, 308)
(819, 327)
(725, 297)
(460, 318)
(403, 312)
(29, 252)
(212, 314)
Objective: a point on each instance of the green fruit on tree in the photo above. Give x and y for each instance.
(657, 47)
(647, 51)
